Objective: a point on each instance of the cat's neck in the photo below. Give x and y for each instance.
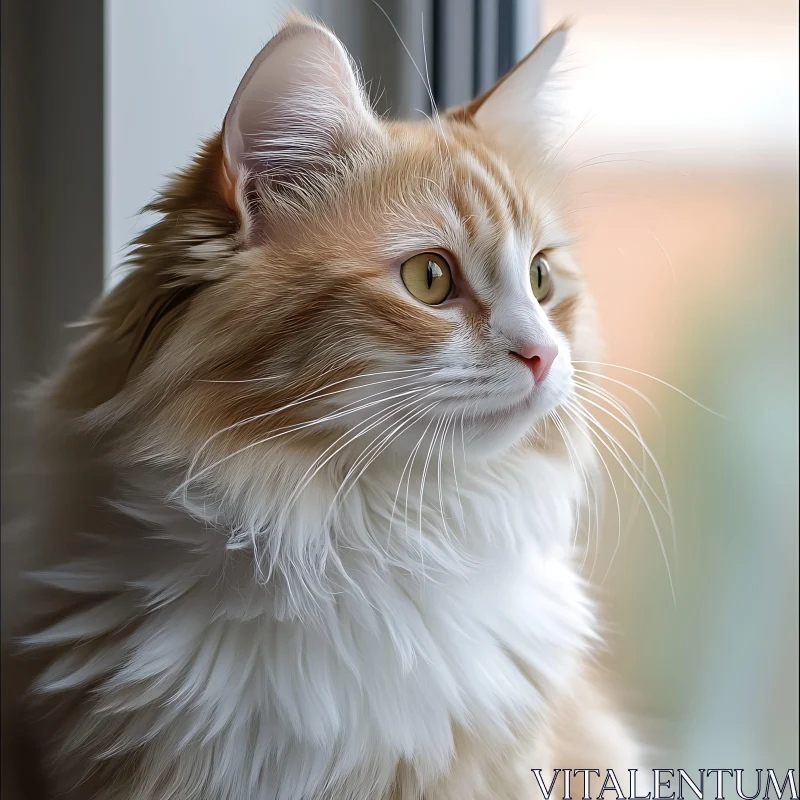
(309, 541)
(314, 538)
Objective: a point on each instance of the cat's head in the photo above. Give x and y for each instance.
(324, 278)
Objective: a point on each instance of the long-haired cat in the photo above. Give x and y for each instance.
(304, 515)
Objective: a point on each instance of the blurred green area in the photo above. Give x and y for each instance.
(714, 674)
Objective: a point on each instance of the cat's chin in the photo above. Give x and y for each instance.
(479, 434)
(496, 432)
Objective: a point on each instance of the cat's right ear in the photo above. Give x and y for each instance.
(296, 111)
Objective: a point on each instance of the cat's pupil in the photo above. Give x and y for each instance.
(434, 271)
(539, 275)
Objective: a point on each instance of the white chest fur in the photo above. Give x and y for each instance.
(360, 639)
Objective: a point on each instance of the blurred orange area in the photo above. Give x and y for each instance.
(660, 245)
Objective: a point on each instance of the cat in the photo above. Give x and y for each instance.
(304, 504)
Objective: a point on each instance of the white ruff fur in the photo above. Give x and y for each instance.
(350, 645)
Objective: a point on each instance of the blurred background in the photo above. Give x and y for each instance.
(679, 143)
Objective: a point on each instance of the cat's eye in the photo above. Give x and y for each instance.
(540, 278)
(427, 276)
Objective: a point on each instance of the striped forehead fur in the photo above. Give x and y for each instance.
(403, 197)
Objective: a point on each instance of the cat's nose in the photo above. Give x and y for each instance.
(539, 357)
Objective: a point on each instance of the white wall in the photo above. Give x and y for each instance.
(172, 67)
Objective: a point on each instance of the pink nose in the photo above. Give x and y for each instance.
(539, 357)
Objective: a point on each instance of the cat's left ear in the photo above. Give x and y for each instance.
(512, 111)
(298, 108)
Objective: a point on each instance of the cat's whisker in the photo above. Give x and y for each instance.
(339, 496)
(416, 415)
(576, 470)
(606, 158)
(326, 372)
(431, 449)
(406, 466)
(377, 445)
(409, 465)
(615, 403)
(633, 389)
(318, 394)
(619, 511)
(279, 433)
(455, 475)
(422, 492)
(663, 250)
(550, 161)
(580, 472)
(425, 83)
(463, 444)
(634, 431)
(594, 515)
(450, 419)
(442, 434)
(588, 438)
(603, 394)
(581, 209)
(368, 455)
(410, 471)
(662, 382)
(353, 434)
(616, 499)
(436, 124)
(572, 409)
(664, 503)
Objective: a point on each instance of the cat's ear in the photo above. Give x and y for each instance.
(298, 108)
(512, 111)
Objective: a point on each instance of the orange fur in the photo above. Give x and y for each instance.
(236, 285)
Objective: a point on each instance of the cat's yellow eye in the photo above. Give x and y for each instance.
(427, 276)
(540, 277)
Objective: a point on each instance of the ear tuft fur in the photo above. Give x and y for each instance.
(299, 107)
(512, 112)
